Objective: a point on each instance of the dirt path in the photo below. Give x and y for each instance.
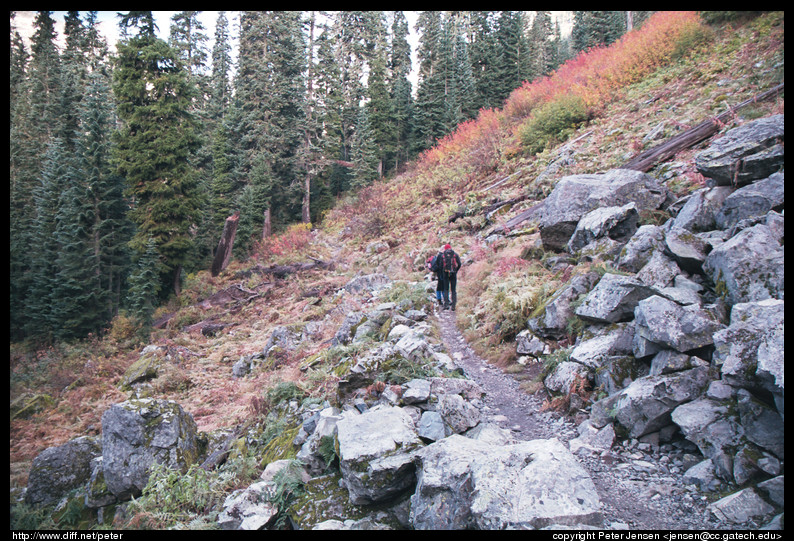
(641, 487)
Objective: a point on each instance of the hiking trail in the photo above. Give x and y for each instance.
(634, 481)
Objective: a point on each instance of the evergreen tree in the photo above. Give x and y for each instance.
(401, 91)
(380, 112)
(430, 96)
(271, 92)
(483, 55)
(155, 143)
(34, 122)
(42, 253)
(542, 37)
(365, 153)
(145, 287)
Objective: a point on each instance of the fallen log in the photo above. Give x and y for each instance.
(645, 161)
(282, 271)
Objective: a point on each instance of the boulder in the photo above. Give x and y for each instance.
(368, 283)
(376, 453)
(565, 375)
(701, 209)
(458, 414)
(616, 223)
(346, 332)
(414, 347)
(668, 324)
(57, 470)
(431, 426)
(616, 340)
(248, 508)
(592, 440)
(751, 151)
(749, 266)
(613, 299)
(470, 484)
(283, 339)
(416, 391)
(710, 424)
(647, 240)
(761, 423)
(576, 195)
(755, 199)
(140, 432)
(553, 322)
(311, 452)
(750, 350)
(740, 507)
(646, 405)
(660, 271)
(687, 249)
(145, 368)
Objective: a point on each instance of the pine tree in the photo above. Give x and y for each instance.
(380, 112)
(155, 143)
(483, 55)
(401, 91)
(145, 287)
(34, 122)
(364, 153)
(430, 96)
(42, 253)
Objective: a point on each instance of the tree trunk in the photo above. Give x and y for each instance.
(224, 252)
(267, 228)
(306, 216)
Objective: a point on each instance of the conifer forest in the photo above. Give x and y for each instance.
(127, 158)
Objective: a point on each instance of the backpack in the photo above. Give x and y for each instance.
(450, 262)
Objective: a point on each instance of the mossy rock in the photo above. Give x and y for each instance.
(28, 405)
(141, 370)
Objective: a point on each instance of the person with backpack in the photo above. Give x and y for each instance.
(431, 261)
(447, 265)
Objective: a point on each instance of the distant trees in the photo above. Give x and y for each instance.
(123, 171)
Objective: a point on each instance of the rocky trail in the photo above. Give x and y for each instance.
(640, 485)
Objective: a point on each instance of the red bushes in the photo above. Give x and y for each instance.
(594, 75)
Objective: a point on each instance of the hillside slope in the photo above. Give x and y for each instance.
(390, 228)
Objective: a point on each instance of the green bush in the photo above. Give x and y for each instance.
(553, 122)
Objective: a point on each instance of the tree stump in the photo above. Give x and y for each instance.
(224, 252)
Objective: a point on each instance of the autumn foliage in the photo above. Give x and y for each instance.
(595, 76)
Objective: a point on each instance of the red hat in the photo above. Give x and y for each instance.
(447, 247)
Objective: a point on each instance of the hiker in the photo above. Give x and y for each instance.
(439, 276)
(446, 265)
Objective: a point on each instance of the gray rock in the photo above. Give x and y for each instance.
(682, 328)
(416, 391)
(345, 333)
(136, 434)
(248, 508)
(613, 299)
(751, 151)
(749, 266)
(529, 344)
(565, 375)
(592, 440)
(750, 351)
(761, 423)
(638, 250)
(368, 283)
(774, 489)
(711, 425)
(57, 470)
(458, 414)
(740, 507)
(614, 341)
(660, 271)
(376, 453)
(553, 322)
(687, 248)
(414, 347)
(431, 426)
(616, 223)
(576, 195)
(470, 484)
(701, 475)
(700, 211)
(755, 199)
(646, 405)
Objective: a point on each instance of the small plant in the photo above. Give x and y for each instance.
(553, 122)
